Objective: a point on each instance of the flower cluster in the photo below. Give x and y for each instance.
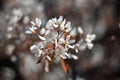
(58, 40)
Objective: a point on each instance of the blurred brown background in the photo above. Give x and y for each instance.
(101, 17)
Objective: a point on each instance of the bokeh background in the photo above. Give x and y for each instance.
(101, 17)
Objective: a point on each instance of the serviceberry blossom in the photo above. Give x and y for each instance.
(58, 41)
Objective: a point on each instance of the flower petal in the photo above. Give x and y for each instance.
(42, 38)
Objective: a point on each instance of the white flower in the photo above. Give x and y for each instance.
(67, 43)
(38, 55)
(74, 57)
(62, 26)
(33, 47)
(36, 23)
(71, 46)
(81, 45)
(68, 37)
(90, 37)
(80, 31)
(60, 19)
(36, 51)
(68, 27)
(31, 30)
(73, 31)
(41, 44)
(42, 31)
(47, 32)
(55, 25)
(63, 56)
(76, 50)
(54, 20)
(49, 25)
(72, 41)
(90, 45)
(58, 39)
(28, 32)
(67, 55)
(59, 23)
(61, 41)
(41, 37)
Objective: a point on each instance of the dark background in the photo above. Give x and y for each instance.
(101, 17)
